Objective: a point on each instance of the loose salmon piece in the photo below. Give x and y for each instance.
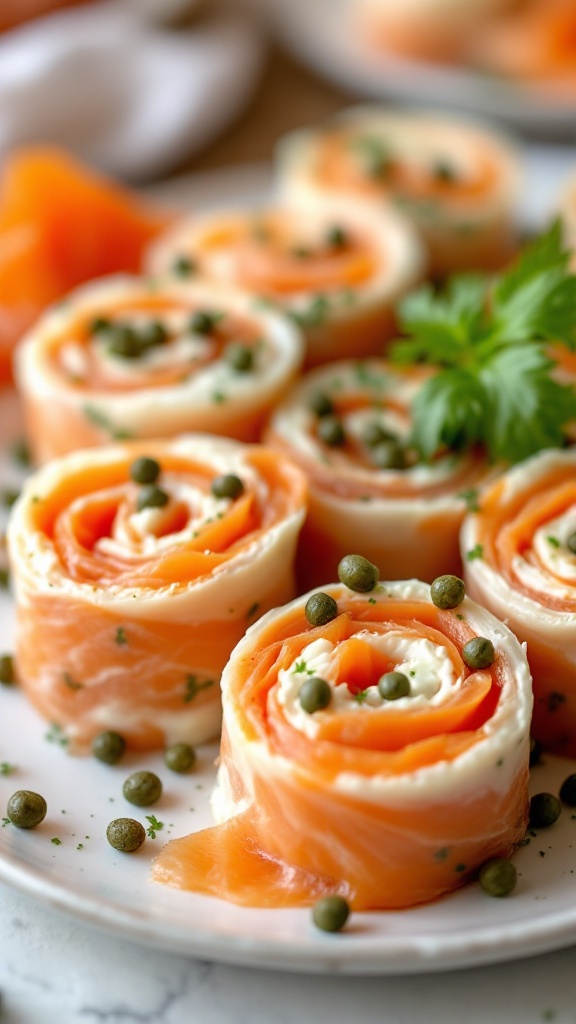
(126, 617)
(388, 803)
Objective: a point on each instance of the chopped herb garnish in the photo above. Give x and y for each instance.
(361, 696)
(56, 734)
(6, 768)
(470, 498)
(155, 826)
(442, 854)
(301, 666)
(184, 266)
(252, 609)
(99, 419)
(56, 841)
(314, 315)
(71, 683)
(553, 541)
(218, 397)
(375, 155)
(476, 552)
(193, 687)
(121, 637)
(5, 821)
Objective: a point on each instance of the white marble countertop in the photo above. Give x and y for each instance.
(54, 968)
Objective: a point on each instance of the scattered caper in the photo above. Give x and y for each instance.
(330, 913)
(447, 591)
(393, 686)
(153, 333)
(180, 757)
(26, 809)
(314, 694)
(7, 676)
(151, 496)
(544, 810)
(239, 357)
(568, 791)
(374, 433)
(535, 751)
(497, 877)
(389, 455)
(108, 747)
(331, 431)
(99, 325)
(357, 573)
(571, 543)
(125, 834)
(203, 322)
(142, 788)
(321, 404)
(144, 470)
(337, 237)
(320, 608)
(123, 341)
(183, 266)
(228, 486)
(478, 652)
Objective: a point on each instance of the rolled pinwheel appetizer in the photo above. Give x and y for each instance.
(457, 181)
(519, 552)
(127, 358)
(374, 746)
(347, 426)
(337, 270)
(137, 568)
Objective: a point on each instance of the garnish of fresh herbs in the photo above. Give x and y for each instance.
(490, 336)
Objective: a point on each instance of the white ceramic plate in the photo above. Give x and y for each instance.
(68, 863)
(320, 34)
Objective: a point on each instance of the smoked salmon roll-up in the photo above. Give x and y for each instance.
(128, 358)
(347, 426)
(374, 746)
(519, 552)
(458, 182)
(335, 269)
(137, 567)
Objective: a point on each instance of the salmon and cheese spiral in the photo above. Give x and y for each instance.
(387, 802)
(519, 551)
(457, 181)
(335, 269)
(129, 358)
(347, 427)
(130, 594)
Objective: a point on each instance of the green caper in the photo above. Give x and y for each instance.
(183, 266)
(571, 543)
(331, 431)
(314, 694)
(203, 322)
(320, 608)
(145, 470)
(99, 325)
(321, 404)
(568, 791)
(330, 913)
(153, 333)
(478, 652)
(357, 573)
(374, 434)
(108, 747)
(26, 809)
(497, 877)
(447, 591)
(535, 751)
(544, 810)
(7, 675)
(142, 788)
(123, 341)
(393, 686)
(180, 757)
(151, 496)
(228, 486)
(388, 455)
(240, 357)
(337, 237)
(125, 834)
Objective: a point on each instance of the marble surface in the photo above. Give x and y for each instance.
(54, 968)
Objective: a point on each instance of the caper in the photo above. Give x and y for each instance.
(497, 877)
(478, 652)
(320, 608)
(393, 686)
(331, 431)
(568, 791)
(321, 404)
(240, 357)
(7, 676)
(337, 237)
(330, 913)
(153, 333)
(203, 322)
(99, 325)
(125, 834)
(447, 591)
(151, 496)
(388, 455)
(535, 751)
(544, 810)
(357, 573)
(108, 747)
(571, 543)
(142, 788)
(180, 757)
(145, 470)
(183, 266)
(123, 341)
(374, 433)
(228, 486)
(314, 694)
(26, 809)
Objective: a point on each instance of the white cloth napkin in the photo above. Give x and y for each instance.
(129, 96)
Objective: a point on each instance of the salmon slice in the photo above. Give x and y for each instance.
(458, 183)
(128, 358)
(61, 224)
(373, 497)
(334, 269)
(388, 803)
(525, 572)
(127, 616)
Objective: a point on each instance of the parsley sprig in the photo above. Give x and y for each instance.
(490, 338)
